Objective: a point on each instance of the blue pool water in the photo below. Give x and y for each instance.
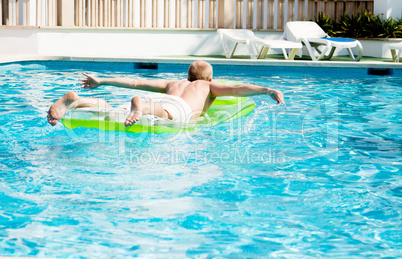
(319, 177)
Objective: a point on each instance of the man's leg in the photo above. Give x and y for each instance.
(69, 101)
(139, 108)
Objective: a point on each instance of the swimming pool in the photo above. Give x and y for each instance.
(320, 177)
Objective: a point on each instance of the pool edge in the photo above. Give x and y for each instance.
(290, 63)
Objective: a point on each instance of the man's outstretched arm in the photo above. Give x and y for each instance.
(218, 89)
(90, 82)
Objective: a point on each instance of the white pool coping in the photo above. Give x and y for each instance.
(217, 61)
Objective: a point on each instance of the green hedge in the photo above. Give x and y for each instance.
(362, 25)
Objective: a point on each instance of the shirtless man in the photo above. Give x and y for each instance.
(184, 99)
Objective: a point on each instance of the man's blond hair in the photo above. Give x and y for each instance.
(199, 70)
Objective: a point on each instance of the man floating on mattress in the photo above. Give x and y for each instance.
(184, 99)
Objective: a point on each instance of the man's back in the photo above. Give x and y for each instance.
(196, 94)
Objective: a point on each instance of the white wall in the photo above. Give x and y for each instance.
(113, 42)
(123, 43)
(16, 42)
(388, 8)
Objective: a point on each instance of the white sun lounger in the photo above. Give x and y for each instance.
(312, 36)
(278, 44)
(257, 47)
(396, 50)
(238, 36)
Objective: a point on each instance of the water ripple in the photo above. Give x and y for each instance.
(319, 177)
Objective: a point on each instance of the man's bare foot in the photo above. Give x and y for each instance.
(59, 108)
(132, 118)
(136, 111)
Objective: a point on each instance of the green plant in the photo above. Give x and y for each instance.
(361, 25)
(325, 22)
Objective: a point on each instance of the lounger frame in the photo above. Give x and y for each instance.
(313, 38)
(315, 44)
(396, 51)
(257, 47)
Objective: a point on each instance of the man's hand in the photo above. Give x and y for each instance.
(277, 96)
(89, 82)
